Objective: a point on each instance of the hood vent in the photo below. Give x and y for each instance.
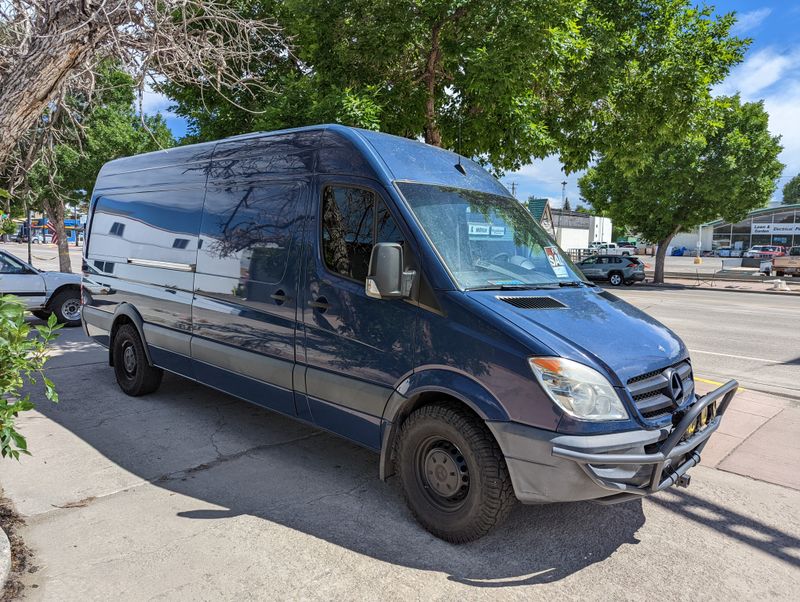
(608, 296)
(533, 302)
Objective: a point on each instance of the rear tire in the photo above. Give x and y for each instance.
(615, 278)
(135, 375)
(779, 273)
(454, 476)
(66, 305)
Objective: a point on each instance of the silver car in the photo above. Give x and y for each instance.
(617, 270)
(44, 293)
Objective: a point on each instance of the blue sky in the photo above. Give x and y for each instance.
(770, 71)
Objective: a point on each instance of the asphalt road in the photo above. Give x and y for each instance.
(754, 338)
(189, 494)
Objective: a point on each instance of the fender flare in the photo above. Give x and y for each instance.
(130, 312)
(57, 291)
(455, 384)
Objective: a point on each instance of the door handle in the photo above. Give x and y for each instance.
(320, 303)
(279, 297)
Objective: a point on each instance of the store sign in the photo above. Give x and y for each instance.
(787, 229)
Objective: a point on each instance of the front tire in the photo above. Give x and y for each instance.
(66, 305)
(615, 279)
(135, 375)
(454, 476)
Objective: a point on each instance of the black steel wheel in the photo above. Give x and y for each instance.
(453, 473)
(135, 375)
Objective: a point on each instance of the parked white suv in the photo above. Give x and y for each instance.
(44, 293)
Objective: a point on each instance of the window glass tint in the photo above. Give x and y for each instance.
(248, 232)
(348, 216)
(117, 229)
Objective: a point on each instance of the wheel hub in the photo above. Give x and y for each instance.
(445, 471)
(71, 309)
(129, 359)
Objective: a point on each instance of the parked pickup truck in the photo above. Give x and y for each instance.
(787, 264)
(611, 248)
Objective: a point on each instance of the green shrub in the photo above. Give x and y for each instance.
(7, 226)
(23, 353)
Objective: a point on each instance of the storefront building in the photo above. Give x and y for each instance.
(778, 225)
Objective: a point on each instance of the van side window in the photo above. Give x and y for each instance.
(353, 220)
(117, 229)
(249, 230)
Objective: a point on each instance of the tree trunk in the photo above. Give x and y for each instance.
(67, 38)
(55, 211)
(432, 133)
(658, 276)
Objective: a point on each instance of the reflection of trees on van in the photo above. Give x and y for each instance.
(252, 225)
(347, 224)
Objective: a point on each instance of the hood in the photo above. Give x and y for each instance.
(52, 280)
(594, 327)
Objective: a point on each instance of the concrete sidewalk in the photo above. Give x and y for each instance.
(191, 494)
(758, 438)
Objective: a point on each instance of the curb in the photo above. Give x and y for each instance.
(5, 558)
(720, 288)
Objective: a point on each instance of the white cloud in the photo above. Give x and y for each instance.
(748, 21)
(153, 102)
(760, 71)
(773, 76)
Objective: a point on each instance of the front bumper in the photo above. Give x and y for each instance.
(549, 467)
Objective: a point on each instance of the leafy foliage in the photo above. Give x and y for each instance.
(501, 81)
(791, 191)
(108, 128)
(725, 167)
(23, 354)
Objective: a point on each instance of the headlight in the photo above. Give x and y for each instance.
(577, 389)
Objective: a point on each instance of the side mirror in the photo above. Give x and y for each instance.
(386, 278)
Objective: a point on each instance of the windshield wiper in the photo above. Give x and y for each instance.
(575, 283)
(513, 287)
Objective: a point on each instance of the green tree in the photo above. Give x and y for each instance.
(23, 353)
(502, 81)
(724, 169)
(791, 191)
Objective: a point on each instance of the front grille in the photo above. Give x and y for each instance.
(653, 394)
(533, 302)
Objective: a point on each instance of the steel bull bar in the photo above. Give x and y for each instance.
(683, 444)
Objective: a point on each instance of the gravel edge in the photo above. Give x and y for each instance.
(5, 558)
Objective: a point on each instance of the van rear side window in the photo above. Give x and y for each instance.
(248, 230)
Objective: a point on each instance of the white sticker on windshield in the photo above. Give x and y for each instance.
(554, 258)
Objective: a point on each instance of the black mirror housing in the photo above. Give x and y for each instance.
(387, 278)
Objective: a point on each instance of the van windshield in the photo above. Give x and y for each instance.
(488, 241)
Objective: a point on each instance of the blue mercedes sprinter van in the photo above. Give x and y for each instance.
(395, 294)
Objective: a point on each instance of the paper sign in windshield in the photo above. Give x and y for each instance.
(555, 262)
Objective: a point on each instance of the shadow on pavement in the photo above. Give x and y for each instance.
(732, 524)
(243, 460)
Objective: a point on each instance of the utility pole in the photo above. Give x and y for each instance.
(563, 192)
(514, 189)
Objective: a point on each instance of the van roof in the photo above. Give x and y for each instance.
(393, 158)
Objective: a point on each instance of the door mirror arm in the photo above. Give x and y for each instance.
(387, 278)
